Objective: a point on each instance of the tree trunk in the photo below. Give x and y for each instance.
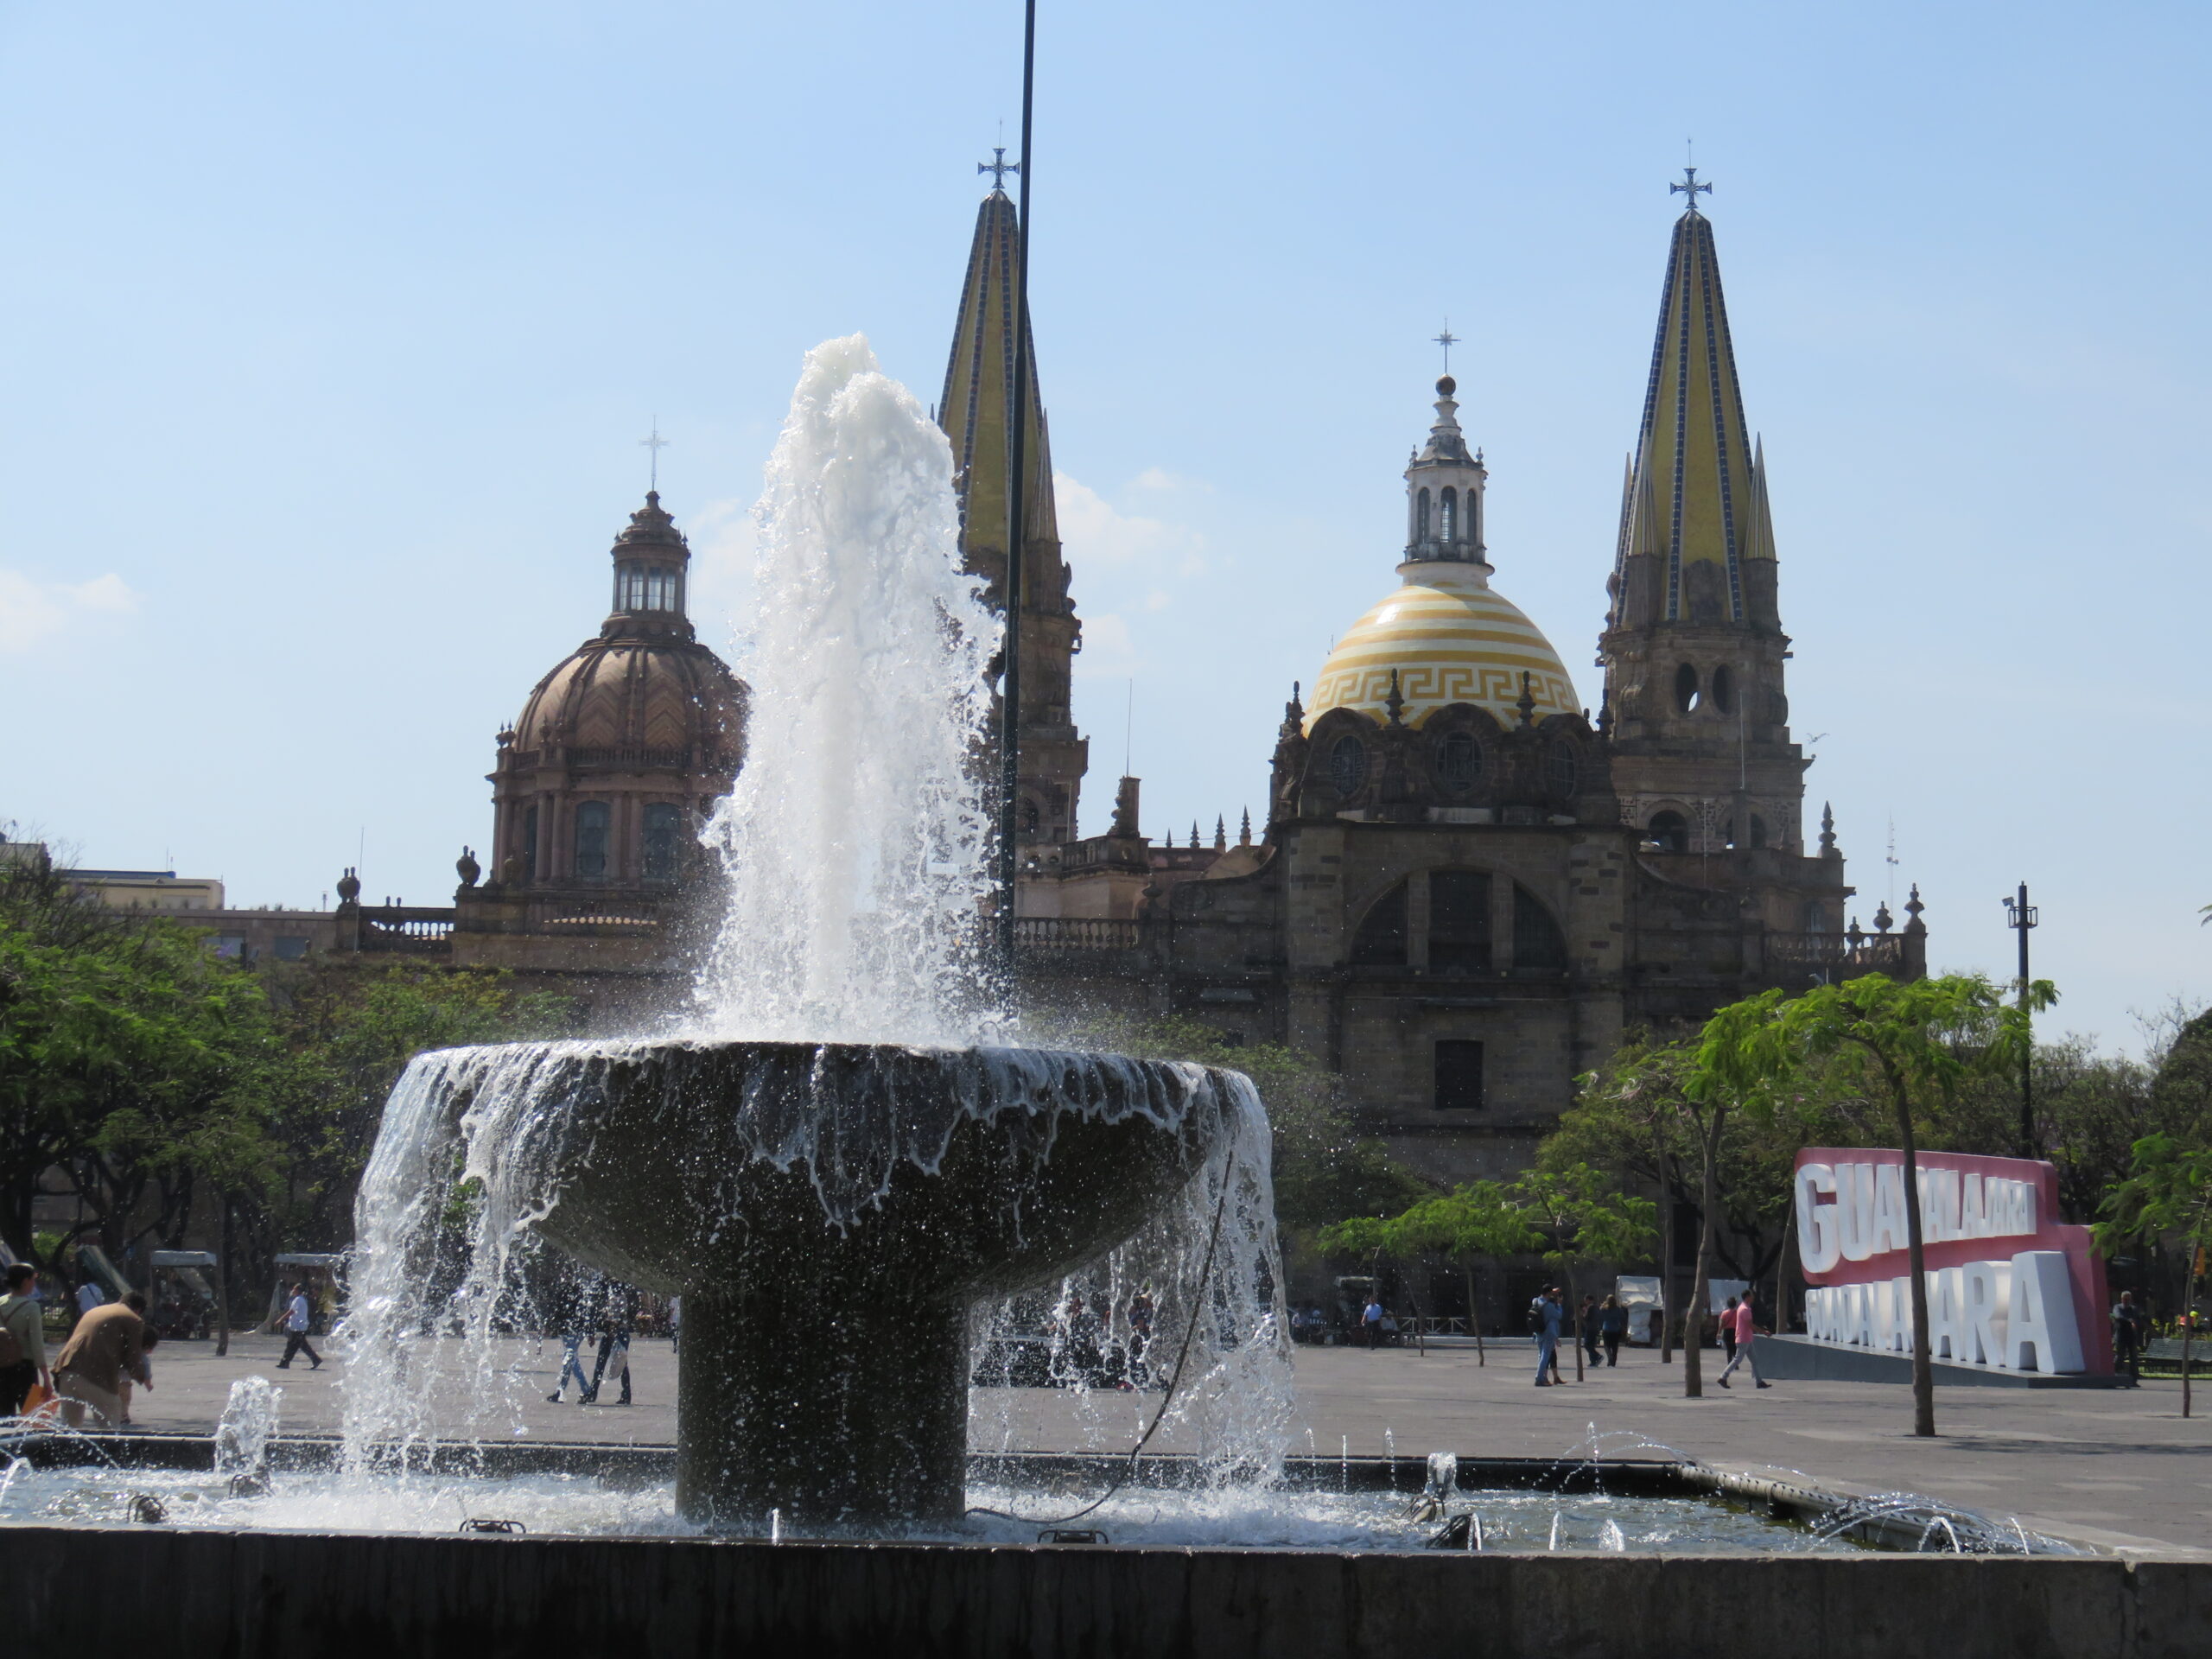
(1474, 1317)
(1574, 1301)
(1667, 1303)
(1923, 1371)
(1693, 1316)
(223, 1284)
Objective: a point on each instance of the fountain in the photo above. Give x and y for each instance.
(826, 1165)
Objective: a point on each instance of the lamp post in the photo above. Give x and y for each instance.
(2020, 915)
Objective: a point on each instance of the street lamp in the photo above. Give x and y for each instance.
(2019, 914)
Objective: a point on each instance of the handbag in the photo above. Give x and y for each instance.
(37, 1400)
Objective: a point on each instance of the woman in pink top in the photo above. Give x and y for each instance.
(1745, 1331)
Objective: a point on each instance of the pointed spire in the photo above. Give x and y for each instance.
(1194, 835)
(1827, 831)
(1693, 501)
(1395, 702)
(977, 404)
(1526, 702)
(1293, 714)
(1220, 833)
(1245, 834)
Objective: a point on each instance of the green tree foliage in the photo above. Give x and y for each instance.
(2167, 1195)
(1581, 1215)
(1482, 1219)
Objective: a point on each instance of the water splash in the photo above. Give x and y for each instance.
(248, 1424)
(855, 843)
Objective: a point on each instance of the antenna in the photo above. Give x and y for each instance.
(1893, 860)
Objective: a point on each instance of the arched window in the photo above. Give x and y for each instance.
(1381, 940)
(1671, 831)
(643, 587)
(1032, 816)
(1458, 922)
(1686, 698)
(1421, 516)
(529, 843)
(1347, 765)
(1758, 834)
(592, 817)
(1448, 515)
(1723, 690)
(663, 822)
(1537, 941)
(1560, 771)
(1458, 762)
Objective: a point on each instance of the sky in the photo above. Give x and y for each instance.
(328, 335)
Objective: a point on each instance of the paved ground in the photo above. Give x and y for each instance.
(2119, 1468)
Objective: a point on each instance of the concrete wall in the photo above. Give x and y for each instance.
(257, 1594)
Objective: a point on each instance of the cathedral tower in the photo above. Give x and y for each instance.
(1694, 648)
(977, 414)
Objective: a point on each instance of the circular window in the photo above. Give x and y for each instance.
(1559, 771)
(1347, 765)
(1459, 761)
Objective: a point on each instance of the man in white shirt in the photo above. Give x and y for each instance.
(297, 1317)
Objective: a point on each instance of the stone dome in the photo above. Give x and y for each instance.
(1452, 638)
(649, 701)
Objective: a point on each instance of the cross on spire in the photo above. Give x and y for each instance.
(998, 167)
(1447, 340)
(1689, 187)
(656, 444)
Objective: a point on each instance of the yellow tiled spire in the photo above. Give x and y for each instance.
(1695, 503)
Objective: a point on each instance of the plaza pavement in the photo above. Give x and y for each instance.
(2120, 1469)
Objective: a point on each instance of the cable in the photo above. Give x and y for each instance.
(1175, 1378)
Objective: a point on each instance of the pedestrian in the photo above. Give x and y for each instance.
(574, 1325)
(1728, 1329)
(618, 1318)
(298, 1315)
(1744, 1332)
(22, 1340)
(1550, 1311)
(1370, 1320)
(2127, 1327)
(1612, 1326)
(1587, 1324)
(90, 1296)
(108, 1344)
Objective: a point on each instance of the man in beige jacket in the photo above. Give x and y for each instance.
(23, 1346)
(108, 1344)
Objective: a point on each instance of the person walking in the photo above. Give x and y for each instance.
(1728, 1329)
(108, 1344)
(1612, 1326)
(1370, 1320)
(619, 1317)
(22, 1340)
(575, 1326)
(2127, 1328)
(1550, 1313)
(298, 1316)
(1586, 1325)
(1744, 1332)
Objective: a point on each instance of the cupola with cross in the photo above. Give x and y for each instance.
(1443, 483)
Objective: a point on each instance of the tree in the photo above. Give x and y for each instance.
(2167, 1194)
(1923, 1041)
(1581, 1215)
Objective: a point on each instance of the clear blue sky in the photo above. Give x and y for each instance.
(330, 334)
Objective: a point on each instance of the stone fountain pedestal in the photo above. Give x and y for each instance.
(829, 1213)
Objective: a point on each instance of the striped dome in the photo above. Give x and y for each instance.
(1451, 640)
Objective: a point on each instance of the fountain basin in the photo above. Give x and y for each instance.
(829, 1214)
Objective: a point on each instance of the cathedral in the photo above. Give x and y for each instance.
(1465, 890)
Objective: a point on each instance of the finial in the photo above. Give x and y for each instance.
(1827, 829)
(1245, 836)
(1395, 702)
(1526, 702)
(1605, 711)
(1447, 340)
(1220, 833)
(998, 167)
(1912, 908)
(1194, 833)
(1689, 189)
(1854, 933)
(466, 868)
(1293, 708)
(1883, 920)
(349, 886)
(655, 443)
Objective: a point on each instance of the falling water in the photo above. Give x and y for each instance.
(857, 844)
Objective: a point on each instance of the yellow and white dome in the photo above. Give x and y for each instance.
(1451, 640)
